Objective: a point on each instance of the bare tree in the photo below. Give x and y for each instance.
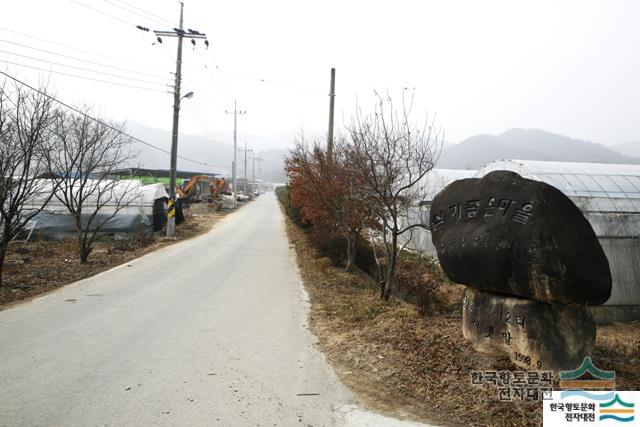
(392, 154)
(26, 118)
(88, 152)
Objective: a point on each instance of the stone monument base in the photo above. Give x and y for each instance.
(535, 335)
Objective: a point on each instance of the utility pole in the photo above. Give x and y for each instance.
(253, 172)
(332, 95)
(259, 160)
(235, 113)
(244, 187)
(180, 34)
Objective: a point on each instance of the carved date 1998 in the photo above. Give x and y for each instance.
(527, 360)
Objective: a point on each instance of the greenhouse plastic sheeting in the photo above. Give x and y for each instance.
(609, 197)
(144, 203)
(607, 194)
(433, 182)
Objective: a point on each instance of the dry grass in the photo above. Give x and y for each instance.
(618, 349)
(409, 365)
(37, 267)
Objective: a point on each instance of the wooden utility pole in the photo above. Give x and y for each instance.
(180, 34)
(332, 95)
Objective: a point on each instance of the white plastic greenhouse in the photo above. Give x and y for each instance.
(609, 197)
(607, 194)
(142, 209)
(433, 182)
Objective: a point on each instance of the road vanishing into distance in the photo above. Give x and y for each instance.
(209, 331)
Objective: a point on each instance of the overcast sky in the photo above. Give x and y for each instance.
(570, 67)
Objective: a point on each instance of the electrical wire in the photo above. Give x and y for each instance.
(81, 77)
(219, 72)
(244, 124)
(103, 123)
(81, 68)
(206, 127)
(103, 13)
(195, 115)
(192, 108)
(168, 22)
(133, 12)
(200, 91)
(75, 58)
(213, 79)
(80, 50)
(201, 124)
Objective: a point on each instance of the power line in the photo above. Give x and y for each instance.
(203, 126)
(220, 73)
(204, 123)
(146, 12)
(213, 79)
(75, 58)
(273, 82)
(80, 50)
(134, 13)
(103, 13)
(81, 77)
(197, 117)
(191, 82)
(245, 127)
(100, 121)
(81, 68)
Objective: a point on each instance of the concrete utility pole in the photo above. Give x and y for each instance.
(180, 34)
(259, 160)
(332, 95)
(244, 186)
(235, 113)
(253, 172)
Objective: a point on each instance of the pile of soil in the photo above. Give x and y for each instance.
(399, 361)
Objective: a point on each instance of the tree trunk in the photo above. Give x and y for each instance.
(388, 282)
(84, 249)
(391, 269)
(352, 240)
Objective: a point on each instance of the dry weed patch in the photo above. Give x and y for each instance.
(410, 360)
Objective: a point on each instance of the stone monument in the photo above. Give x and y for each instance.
(531, 263)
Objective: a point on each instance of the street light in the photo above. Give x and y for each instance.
(171, 220)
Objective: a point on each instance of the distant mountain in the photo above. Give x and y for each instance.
(628, 149)
(217, 155)
(527, 144)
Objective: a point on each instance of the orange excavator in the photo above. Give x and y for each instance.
(201, 188)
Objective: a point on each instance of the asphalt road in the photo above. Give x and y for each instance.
(210, 331)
